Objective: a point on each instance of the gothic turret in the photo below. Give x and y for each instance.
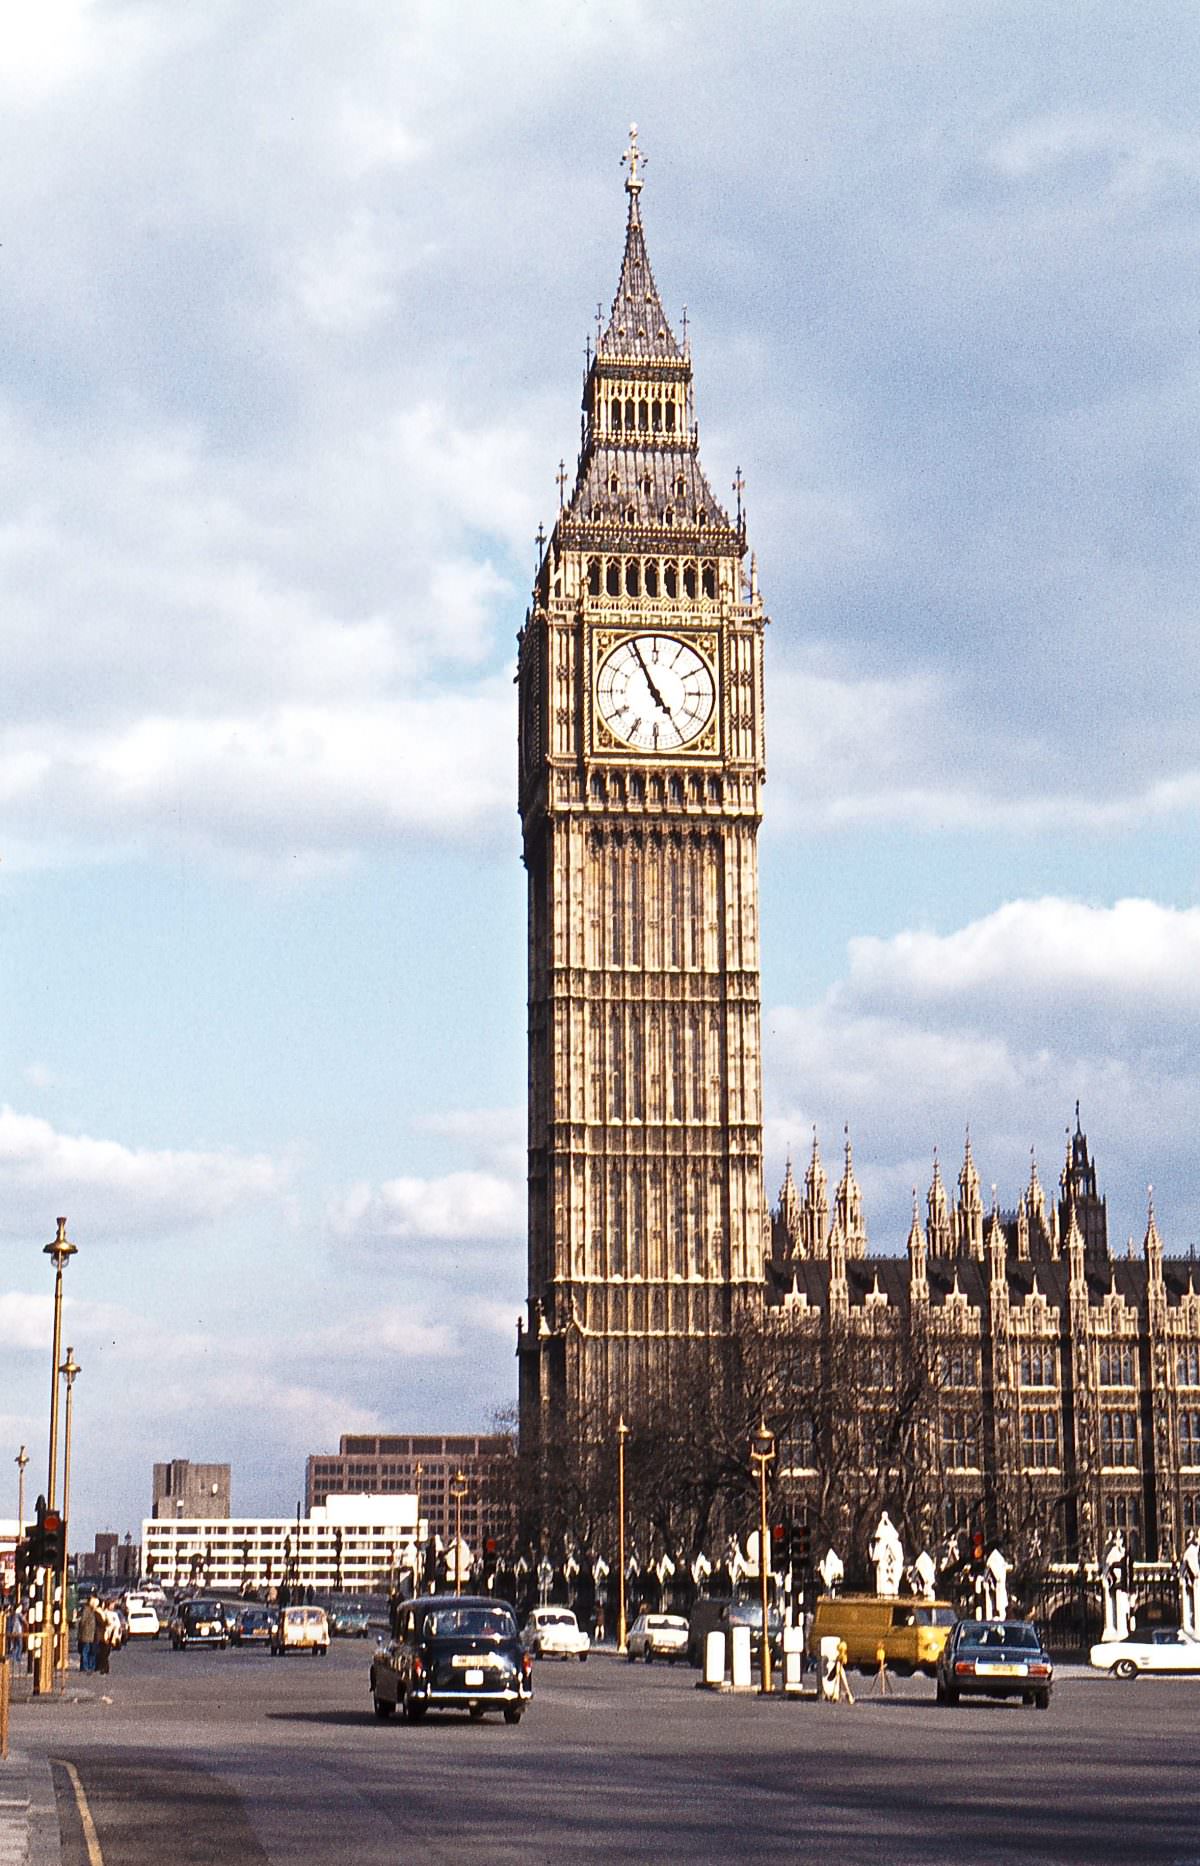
(968, 1218)
(785, 1229)
(814, 1216)
(1078, 1188)
(938, 1209)
(847, 1209)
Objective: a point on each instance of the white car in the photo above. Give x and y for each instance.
(555, 1633)
(141, 1620)
(657, 1636)
(1165, 1649)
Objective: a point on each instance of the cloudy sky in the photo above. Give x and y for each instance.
(293, 302)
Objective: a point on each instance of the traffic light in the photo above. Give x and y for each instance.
(491, 1556)
(802, 1547)
(52, 1540)
(24, 1564)
(977, 1546)
(779, 1547)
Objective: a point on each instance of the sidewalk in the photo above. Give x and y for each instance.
(29, 1833)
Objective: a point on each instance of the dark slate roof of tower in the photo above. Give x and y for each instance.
(647, 489)
(637, 326)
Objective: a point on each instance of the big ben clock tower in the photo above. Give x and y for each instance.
(641, 773)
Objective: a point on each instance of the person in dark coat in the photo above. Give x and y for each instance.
(89, 1633)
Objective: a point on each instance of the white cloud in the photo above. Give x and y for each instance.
(464, 1207)
(126, 1190)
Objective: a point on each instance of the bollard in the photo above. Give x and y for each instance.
(714, 1659)
(739, 1666)
(829, 1667)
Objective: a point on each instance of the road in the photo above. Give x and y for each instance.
(235, 1758)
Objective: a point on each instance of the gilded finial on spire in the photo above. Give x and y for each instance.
(633, 159)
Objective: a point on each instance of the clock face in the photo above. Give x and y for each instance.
(655, 692)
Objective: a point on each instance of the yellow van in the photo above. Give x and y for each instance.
(911, 1632)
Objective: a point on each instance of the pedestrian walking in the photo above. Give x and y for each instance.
(89, 1633)
(109, 1635)
(16, 1632)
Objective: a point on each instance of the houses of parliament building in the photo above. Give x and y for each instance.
(1059, 1384)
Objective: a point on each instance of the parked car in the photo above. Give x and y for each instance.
(717, 1613)
(911, 1632)
(300, 1629)
(995, 1659)
(555, 1633)
(1164, 1649)
(453, 1652)
(252, 1626)
(199, 1623)
(657, 1636)
(141, 1619)
(347, 1622)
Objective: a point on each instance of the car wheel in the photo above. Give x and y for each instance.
(631, 1655)
(649, 1655)
(941, 1692)
(1125, 1668)
(384, 1707)
(951, 1696)
(414, 1710)
(583, 1658)
(475, 1713)
(1042, 1699)
(513, 1713)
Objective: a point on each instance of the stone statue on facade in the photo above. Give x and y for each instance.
(887, 1552)
(1189, 1584)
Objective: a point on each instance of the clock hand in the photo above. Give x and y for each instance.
(655, 695)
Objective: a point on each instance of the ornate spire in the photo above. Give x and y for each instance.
(814, 1216)
(637, 330)
(918, 1277)
(789, 1242)
(847, 1205)
(1152, 1244)
(968, 1218)
(938, 1207)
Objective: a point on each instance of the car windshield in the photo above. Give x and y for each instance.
(556, 1619)
(934, 1616)
(1013, 1634)
(470, 1623)
(204, 1610)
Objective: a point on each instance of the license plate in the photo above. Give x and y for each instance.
(474, 1676)
(1002, 1671)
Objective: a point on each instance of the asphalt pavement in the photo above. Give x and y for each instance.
(234, 1758)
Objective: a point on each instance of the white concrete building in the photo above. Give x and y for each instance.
(351, 1544)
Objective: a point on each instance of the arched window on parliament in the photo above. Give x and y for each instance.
(696, 1230)
(696, 907)
(674, 909)
(597, 1216)
(652, 578)
(635, 903)
(675, 1072)
(593, 576)
(710, 580)
(616, 1068)
(616, 1223)
(689, 579)
(699, 1110)
(655, 1078)
(612, 577)
(596, 1045)
(616, 909)
(637, 1060)
(636, 1264)
(616, 415)
(632, 577)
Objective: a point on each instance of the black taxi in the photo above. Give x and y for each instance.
(453, 1652)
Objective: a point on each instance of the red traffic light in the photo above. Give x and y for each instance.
(778, 1534)
(977, 1545)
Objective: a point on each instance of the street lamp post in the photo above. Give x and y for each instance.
(60, 1250)
(622, 1435)
(69, 1369)
(762, 1453)
(458, 1490)
(21, 1460)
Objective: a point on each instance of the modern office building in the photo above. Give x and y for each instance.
(184, 1489)
(426, 1466)
(347, 1544)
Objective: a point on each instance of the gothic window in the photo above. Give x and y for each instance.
(616, 910)
(616, 1223)
(637, 1106)
(652, 579)
(1038, 1364)
(669, 522)
(1123, 1513)
(616, 1069)
(801, 1448)
(697, 1230)
(669, 412)
(614, 484)
(655, 1083)
(597, 1218)
(696, 1046)
(674, 906)
(637, 792)
(636, 1264)
(1189, 1507)
(680, 487)
(1116, 1365)
(616, 415)
(593, 576)
(597, 1061)
(598, 792)
(635, 904)
(874, 1367)
(1118, 1439)
(630, 417)
(689, 579)
(632, 579)
(613, 577)
(675, 1073)
(1187, 1368)
(1189, 1435)
(656, 416)
(643, 416)
(695, 911)
(646, 487)
(709, 583)
(1039, 1439)
(671, 575)
(960, 1364)
(960, 1441)
(714, 790)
